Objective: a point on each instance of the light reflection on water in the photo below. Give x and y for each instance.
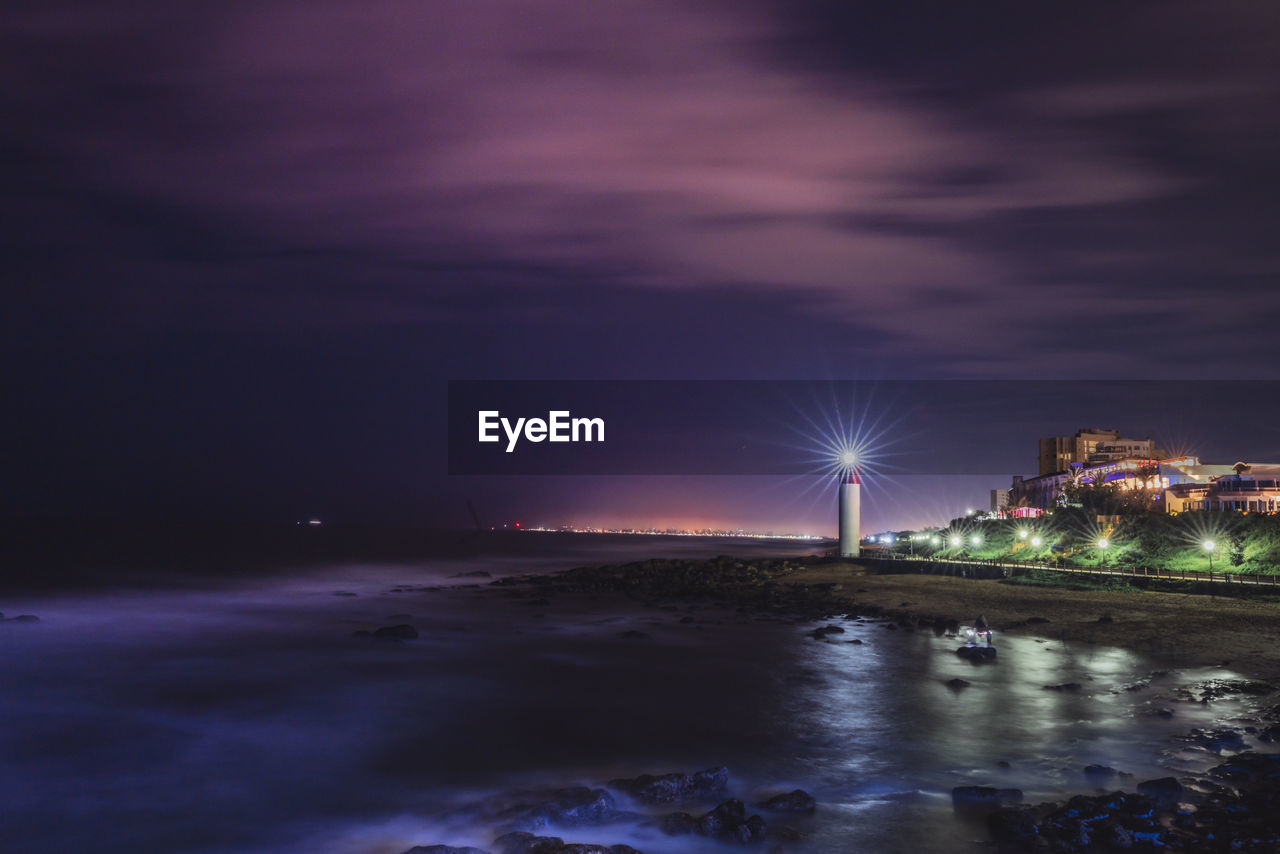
(248, 719)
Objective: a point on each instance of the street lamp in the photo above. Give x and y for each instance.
(1023, 533)
(1210, 546)
(1103, 543)
(1036, 541)
(975, 539)
(955, 541)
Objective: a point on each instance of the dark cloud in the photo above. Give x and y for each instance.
(706, 189)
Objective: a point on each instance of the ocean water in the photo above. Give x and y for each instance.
(244, 716)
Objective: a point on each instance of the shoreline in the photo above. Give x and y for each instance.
(1177, 629)
(1181, 629)
(1230, 806)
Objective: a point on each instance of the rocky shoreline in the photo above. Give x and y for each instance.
(1235, 806)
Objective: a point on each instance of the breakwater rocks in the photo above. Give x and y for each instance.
(760, 587)
(521, 820)
(1232, 808)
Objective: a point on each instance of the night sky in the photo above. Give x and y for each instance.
(247, 245)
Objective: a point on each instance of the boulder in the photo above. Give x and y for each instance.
(958, 684)
(571, 807)
(1099, 775)
(977, 654)
(1166, 790)
(729, 821)
(520, 842)
(444, 849)
(796, 801)
(673, 788)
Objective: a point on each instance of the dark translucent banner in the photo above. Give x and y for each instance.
(810, 427)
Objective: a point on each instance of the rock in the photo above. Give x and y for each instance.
(958, 684)
(1215, 740)
(977, 654)
(796, 801)
(444, 849)
(1097, 775)
(983, 798)
(673, 788)
(571, 807)
(403, 631)
(729, 821)
(1013, 826)
(854, 641)
(1112, 835)
(1216, 689)
(521, 842)
(819, 634)
(1166, 790)
(1065, 686)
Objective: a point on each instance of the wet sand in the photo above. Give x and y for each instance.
(1181, 629)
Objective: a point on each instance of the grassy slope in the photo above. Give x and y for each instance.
(1153, 539)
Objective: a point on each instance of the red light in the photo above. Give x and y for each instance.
(517, 524)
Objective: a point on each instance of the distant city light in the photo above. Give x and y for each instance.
(313, 522)
(955, 541)
(975, 539)
(1036, 541)
(1023, 533)
(969, 512)
(937, 541)
(888, 538)
(872, 538)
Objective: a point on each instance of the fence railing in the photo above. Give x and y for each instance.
(1154, 572)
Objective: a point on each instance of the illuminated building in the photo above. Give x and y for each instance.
(1247, 489)
(1092, 445)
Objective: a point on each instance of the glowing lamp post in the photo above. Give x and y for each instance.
(850, 505)
(1210, 546)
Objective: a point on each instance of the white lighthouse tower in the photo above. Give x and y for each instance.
(850, 513)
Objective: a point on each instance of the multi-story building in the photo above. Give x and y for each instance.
(1093, 445)
(999, 500)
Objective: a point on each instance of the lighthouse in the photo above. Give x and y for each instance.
(850, 513)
